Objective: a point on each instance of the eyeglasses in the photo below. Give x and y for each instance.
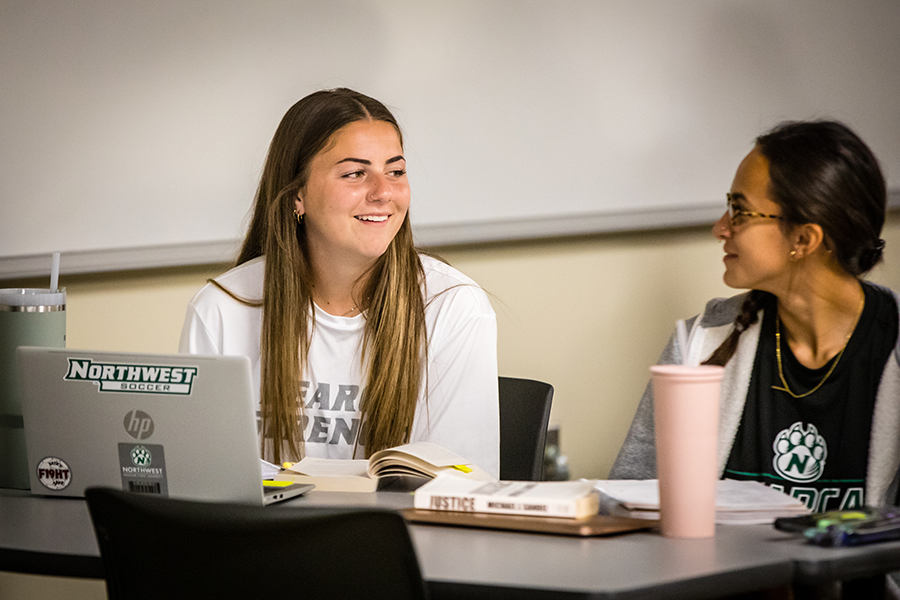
(736, 217)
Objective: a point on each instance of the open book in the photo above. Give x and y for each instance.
(418, 459)
(737, 502)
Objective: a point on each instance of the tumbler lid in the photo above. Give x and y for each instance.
(32, 300)
(688, 373)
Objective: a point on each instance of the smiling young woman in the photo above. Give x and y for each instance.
(811, 394)
(354, 201)
(358, 341)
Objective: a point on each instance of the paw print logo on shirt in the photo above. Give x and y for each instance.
(799, 453)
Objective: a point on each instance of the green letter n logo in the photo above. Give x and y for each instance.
(800, 453)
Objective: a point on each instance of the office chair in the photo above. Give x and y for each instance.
(524, 414)
(162, 548)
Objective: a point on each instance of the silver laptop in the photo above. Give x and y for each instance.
(175, 425)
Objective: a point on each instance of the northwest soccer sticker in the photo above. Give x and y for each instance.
(54, 474)
(141, 379)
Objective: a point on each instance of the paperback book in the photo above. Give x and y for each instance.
(561, 499)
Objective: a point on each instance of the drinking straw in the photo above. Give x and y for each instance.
(681, 332)
(54, 272)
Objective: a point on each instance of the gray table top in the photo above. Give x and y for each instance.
(57, 533)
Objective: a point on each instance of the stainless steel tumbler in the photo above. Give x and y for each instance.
(28, 317)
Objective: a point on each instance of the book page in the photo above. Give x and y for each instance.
(631, 493)
(423, 459)
(268, 469)
(731, 495)
(426, 451)
(546, 490)
(752, 495)
(330, 467)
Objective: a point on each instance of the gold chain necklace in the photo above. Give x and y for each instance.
(837, 358)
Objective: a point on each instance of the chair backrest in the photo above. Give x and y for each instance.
(162, 548)
(524, 414)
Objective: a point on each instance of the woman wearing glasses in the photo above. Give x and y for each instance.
(811, 393)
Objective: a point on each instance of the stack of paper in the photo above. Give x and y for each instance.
(737, 502)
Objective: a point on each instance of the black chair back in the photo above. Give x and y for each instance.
(524, 415)
(163, 548)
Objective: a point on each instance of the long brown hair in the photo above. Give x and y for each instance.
(820, 172)
(394, 338)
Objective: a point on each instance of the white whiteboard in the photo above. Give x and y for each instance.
(132, 134)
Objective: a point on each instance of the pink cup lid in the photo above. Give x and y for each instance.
(698, 373)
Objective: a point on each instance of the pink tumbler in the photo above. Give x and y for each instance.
(686, 417)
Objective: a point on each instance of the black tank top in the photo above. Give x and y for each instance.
(815, 448)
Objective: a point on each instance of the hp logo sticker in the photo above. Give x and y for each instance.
(138, 424)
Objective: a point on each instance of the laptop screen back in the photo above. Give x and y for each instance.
(182, 426)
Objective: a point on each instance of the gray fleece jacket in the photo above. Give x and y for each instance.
(637, 457)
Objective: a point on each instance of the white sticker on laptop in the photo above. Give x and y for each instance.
(54, 474)
(136, 379)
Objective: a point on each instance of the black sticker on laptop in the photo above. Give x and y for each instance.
(54, 474)
(143, 469)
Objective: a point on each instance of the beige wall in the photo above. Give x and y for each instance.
(588, 315)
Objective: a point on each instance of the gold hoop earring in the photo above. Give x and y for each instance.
(299, 216)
